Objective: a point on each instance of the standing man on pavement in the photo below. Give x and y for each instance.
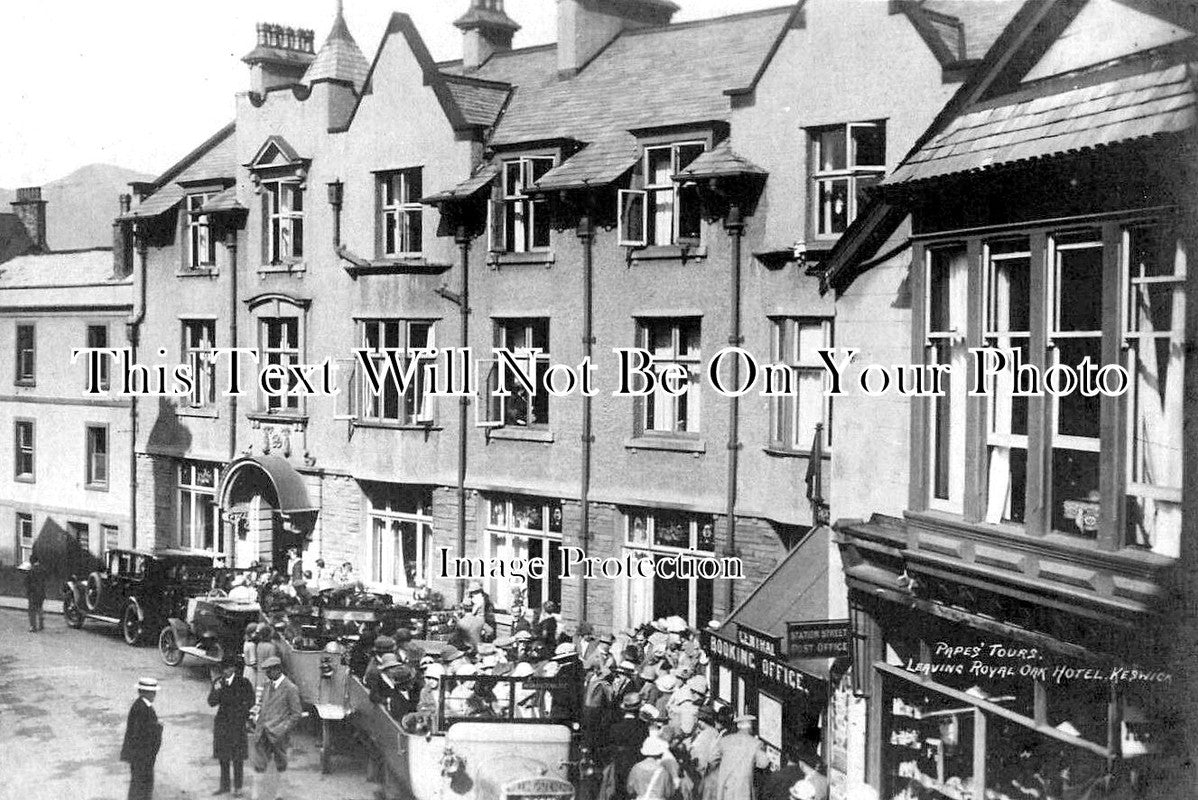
(143, 737)
(233, 695)
(275, 715)
(739, 755)
(35, 592)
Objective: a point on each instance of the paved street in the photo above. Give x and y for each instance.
(64, 695)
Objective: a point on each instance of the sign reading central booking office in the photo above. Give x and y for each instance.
(770, 668)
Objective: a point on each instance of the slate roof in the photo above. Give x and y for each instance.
(597, 164)
(475, 183)
(673, 74)
(480, 102)
(1103, 108)
(62, 269)
(223, 201)
(214, 160)
(719, 162)
(339, 58)
(528, 67)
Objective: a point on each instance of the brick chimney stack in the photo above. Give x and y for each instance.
(30, 208)
(487, 30)
(281, 56)
(122, 240)
(584, 27)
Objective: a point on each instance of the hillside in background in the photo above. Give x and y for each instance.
(81, 206)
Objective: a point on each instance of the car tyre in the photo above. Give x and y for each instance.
(132, 626)
(71, 611)
(93, 592)
(168, 647)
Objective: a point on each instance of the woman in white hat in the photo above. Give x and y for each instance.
(650, 778)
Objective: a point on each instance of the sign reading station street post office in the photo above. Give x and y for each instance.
(823, 639)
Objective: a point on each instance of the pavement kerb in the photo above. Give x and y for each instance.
(21, 604)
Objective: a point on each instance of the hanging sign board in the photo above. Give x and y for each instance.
(823, 639)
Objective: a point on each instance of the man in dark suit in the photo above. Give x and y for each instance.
(275, 715)
(233, 696)
(35, 591)
(143, 737)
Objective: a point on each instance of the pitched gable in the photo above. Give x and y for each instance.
(1102, 31)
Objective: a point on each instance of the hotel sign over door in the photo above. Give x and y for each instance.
(824, 639)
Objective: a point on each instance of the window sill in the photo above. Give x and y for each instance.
(198, 272)
(396, 426)
(199, 412)
(282, 269)
(669, 252)
(27, 383)
(397, 265)
(677, 444)
(24, 479)
(293, 418)
(95, 487)
(789, 452)
(540, 258)
(522, 434)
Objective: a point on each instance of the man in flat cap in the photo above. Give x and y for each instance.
(277, 713)
(143, 737)
(739, 755)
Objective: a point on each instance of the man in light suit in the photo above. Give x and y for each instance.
(740, 754)
(143, 738)
(277, 712)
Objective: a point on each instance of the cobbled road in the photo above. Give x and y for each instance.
(64, 695)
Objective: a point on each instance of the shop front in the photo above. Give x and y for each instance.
(778, 658)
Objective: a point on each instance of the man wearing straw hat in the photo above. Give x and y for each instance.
(143, 737)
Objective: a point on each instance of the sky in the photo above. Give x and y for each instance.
(140, 83)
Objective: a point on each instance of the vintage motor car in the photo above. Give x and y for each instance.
(210, 628)
(139, 590)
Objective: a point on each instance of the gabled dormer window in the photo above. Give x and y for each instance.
(401, 215)
(658, 210)
(846, 160)
(519, 222)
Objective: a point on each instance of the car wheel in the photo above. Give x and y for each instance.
(93, 592)
(168, 647)
(132, 627)
(71, 612)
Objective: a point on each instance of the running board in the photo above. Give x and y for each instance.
(196, 652)
(100, 618)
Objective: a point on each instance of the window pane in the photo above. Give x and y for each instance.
(830, 146)
(1007, 478)
(811, 340)
(1079, 289)
(810, 407)
(690, 217)
(947, 276)
(833, 205)
(687, 153)
(672, 530)
(869, 145)
(1077, 415)
(414, 185)
(413, 232)
(632, 218)
(659, 166)
(862, 185)
(638, 530)
(1075, 498)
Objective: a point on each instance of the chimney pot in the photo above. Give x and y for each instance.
(30, 208)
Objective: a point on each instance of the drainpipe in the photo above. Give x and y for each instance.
(736, 228)
(133, 333)
(463, 241)
(231, 245)
(586, 234)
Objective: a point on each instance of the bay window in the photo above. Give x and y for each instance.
(520, 223)
(658, 210)
(401, 535)
(526, 527)
(1046, 455)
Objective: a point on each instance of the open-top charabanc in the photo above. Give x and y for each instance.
(210, 628)
(488, 738)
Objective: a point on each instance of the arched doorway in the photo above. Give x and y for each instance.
(265, 502)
